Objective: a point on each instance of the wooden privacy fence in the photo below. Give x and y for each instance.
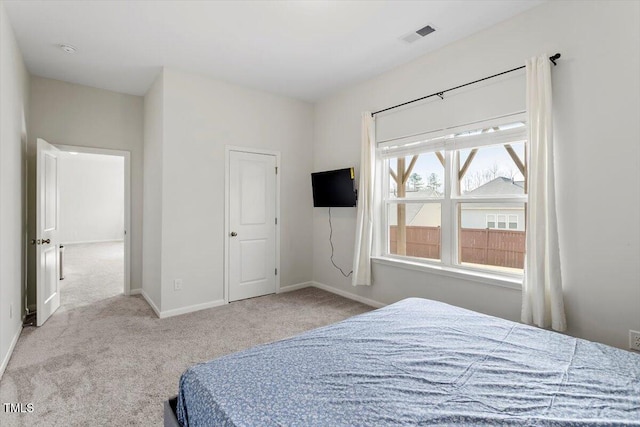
(503, 248)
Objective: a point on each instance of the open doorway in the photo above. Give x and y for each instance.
(93, 221)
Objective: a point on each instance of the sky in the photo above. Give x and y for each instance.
(487, 159)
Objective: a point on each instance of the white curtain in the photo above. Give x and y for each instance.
(542, 303)
(364, 226)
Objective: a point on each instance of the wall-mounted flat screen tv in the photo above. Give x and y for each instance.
(334, 189)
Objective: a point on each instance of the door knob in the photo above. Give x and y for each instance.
(234, 234)
(46, 241)
(35, 242)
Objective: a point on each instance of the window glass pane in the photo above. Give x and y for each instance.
(489, 247)
(424, 180)
(491, 221)
(420, 229)
(492, 171)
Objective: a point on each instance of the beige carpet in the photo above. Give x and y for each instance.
(111, 362)
(93, 272)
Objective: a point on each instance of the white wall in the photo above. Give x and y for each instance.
(201, 116)
(91, 198)
(152, 224)
(14, 86)
(596, 88)
(70, 114)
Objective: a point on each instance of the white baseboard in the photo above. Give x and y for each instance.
(177, 311)
(349, 295)
(7, 357)
(294, 287)
(367, 301)
(184, 310)
(190, 309)
(150, 302)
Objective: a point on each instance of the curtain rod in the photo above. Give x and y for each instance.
(441, 93)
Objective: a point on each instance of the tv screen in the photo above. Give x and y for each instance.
(333, 189)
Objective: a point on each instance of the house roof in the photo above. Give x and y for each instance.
(423, 193)
(498, 187)
(413, 209)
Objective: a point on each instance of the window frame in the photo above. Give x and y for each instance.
(450, 204)
(504, 222)
(494, 221)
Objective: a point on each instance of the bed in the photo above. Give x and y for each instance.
(415, 362)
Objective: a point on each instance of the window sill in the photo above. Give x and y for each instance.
(511, 282)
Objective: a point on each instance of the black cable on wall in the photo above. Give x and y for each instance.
(331, 243)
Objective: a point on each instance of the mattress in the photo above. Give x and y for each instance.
(417, 362)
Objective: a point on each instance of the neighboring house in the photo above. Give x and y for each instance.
(503, 247)
(491, 215)
(425, 214)
(479, 215)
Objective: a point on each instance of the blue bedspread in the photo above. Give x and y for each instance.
(417, 362)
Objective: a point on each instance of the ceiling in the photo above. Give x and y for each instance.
(301, 49)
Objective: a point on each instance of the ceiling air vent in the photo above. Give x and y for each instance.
(417, 35)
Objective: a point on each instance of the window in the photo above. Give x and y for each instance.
(512, 224)
(414, 205)
(457, 199)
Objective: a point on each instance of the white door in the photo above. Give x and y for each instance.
(47, 249)
(252, 225)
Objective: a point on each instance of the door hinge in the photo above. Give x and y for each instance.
(276, 221)
(276, 170)
(276, 271)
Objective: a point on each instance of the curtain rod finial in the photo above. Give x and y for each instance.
(554, 58)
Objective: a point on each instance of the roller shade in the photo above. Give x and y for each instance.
(436, 117)
(510, 129)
